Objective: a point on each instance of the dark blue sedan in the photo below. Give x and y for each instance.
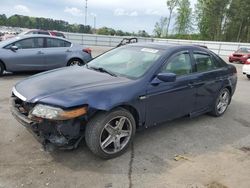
(130, 87)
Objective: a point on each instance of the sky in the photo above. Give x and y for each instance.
(127, 15)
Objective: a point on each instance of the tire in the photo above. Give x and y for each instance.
(1, 69)
(74, 62)
(248, 76)
(221, 103)
(109, 134)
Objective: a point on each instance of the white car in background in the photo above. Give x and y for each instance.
(246, 68)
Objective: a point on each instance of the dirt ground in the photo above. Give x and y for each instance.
(204, 152)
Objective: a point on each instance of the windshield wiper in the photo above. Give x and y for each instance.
(100, 69)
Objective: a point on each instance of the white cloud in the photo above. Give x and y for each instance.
(123, 12)
(153, 12)
(73, 11)
(134, 13)
(21, 9)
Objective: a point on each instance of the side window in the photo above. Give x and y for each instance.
(67, 44)
(55, 43)
(29, 43)
(204, 62)
(179, 64)
(39, 42)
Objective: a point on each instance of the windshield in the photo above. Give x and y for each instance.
(243, 50)
(131, 62)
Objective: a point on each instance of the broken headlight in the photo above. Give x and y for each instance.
(54, 113)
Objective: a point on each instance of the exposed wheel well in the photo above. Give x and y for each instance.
(3, 64)
(75, 58)
(133, 111)
(229, 89)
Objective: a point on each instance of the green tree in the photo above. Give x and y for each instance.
(142, 33)
(210, 17)
(3, 19)
(184, 17)
(171, 4)
(238, 21)
(160, 27)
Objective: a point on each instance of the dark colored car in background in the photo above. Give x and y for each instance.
(39, 53)
(241, 55)
(57, 34)
(131, 87)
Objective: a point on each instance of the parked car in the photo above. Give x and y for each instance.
(43, 32)
(246, 68)
(39, 53)
(131, 87)
(241, 55)
(35, 31)
(6, 37)
(57, 34)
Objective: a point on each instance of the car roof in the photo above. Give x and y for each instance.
(167, 46)
(20, 37)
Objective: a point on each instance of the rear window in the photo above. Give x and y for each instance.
(204, 62)
(56, 43)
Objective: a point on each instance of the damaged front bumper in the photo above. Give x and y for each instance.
(65, 134)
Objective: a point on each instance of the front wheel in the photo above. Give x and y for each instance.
(248, 76)
(221, 103)
(108, 134)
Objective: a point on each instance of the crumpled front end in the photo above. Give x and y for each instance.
(65, 134)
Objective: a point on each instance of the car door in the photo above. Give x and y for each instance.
(28, 57)
(210, 78)
(169, 100)
(56, 53)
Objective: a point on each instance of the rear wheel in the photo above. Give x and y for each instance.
(75, 62)
(221, 103)
(1, 69)
(248, 76)
(108, 134)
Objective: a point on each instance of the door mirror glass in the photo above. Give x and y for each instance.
(14, 48)
(167, 77)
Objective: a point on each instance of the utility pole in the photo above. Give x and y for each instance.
(95, 22)
(86, 11)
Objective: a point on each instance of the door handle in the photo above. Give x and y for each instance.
(197, 83)
(68, 50)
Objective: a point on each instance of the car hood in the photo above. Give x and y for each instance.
(66, 86)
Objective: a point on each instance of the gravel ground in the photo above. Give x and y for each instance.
(211, 152)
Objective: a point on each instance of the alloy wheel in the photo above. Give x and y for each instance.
(223, 102)
(115, 135)
(75, 63)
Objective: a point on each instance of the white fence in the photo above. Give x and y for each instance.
(221, 48)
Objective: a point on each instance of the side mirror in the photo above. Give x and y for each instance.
(14, 48)
(164, 77)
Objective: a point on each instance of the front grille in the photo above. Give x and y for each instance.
(22, 106)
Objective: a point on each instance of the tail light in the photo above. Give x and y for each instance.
(247, 62)
(87, 50)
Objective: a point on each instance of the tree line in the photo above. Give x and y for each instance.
(217, 20)
(60, 25)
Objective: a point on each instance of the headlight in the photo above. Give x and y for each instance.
(49, 112)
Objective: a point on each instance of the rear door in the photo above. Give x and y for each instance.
(28, 57)
(210, 78)
(56, 53)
